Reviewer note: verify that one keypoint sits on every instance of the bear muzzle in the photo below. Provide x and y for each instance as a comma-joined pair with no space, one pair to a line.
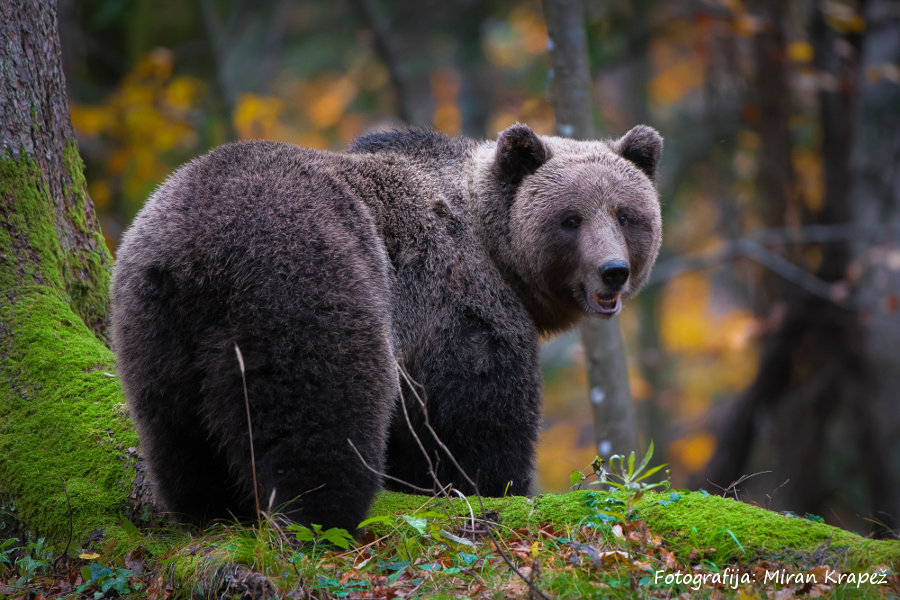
608,301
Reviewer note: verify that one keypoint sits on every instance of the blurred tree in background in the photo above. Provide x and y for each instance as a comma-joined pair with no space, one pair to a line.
768,342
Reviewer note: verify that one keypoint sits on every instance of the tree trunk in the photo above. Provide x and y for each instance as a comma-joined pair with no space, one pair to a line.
63,428
604,349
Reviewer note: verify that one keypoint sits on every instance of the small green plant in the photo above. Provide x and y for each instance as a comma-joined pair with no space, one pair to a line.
102,579
316,535
7,547
35,558
427,528
341,590
627,482
718,551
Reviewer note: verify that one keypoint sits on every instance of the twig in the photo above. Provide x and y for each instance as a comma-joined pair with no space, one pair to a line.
732,487
440,488
437,482
386,476
249,428
431,430
770,497
531,585
69,506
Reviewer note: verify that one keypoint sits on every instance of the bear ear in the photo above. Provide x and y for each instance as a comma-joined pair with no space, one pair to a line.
520,152
643,146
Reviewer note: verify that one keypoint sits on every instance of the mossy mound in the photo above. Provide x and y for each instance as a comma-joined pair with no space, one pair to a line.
687,521
741,531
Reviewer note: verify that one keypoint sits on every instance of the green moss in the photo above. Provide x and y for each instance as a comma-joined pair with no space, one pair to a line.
693,521
514,512
77,186
61,424
29,247
701,521
60,421
30,244
87,269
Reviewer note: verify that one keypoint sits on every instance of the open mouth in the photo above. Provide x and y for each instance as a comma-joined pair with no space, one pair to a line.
604,306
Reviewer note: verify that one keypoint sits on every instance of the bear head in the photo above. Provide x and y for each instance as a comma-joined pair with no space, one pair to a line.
582,220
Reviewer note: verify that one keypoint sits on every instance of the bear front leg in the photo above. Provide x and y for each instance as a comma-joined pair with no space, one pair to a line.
481,386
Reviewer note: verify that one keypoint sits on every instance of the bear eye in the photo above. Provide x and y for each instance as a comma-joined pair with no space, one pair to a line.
571,222
623,219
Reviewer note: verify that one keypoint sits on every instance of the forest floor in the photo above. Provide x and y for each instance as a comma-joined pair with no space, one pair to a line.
590,543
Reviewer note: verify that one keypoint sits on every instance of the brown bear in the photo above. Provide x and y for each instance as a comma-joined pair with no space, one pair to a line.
328,270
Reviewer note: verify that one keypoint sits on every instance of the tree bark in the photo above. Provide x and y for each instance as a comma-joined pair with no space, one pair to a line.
610,393
63,427
35,125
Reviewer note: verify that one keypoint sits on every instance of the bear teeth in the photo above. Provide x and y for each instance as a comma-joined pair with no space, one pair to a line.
608,303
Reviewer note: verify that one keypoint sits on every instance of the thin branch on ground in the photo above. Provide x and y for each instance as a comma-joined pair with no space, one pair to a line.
421,490
532,587
732,487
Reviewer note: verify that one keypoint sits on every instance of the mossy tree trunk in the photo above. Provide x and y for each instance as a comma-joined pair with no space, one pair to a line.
63,428
35,131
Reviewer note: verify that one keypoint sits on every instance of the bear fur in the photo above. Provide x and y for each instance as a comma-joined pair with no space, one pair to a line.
449,257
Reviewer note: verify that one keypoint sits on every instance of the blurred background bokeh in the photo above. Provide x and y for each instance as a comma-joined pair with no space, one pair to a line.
768,341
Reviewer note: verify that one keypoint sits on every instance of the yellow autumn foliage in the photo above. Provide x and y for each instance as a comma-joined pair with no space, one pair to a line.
843,18
330,101
801,52
256,117
91,121
807,165
149,114
514,43
675,80
445,90
182,93
715,352
687,325
692,452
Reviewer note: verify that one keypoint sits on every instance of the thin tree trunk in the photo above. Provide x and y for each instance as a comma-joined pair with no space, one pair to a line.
604,349
62,424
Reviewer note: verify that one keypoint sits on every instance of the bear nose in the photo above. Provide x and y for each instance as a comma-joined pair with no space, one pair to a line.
614,274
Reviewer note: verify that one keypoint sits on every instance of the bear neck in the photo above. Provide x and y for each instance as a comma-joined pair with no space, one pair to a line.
490,202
